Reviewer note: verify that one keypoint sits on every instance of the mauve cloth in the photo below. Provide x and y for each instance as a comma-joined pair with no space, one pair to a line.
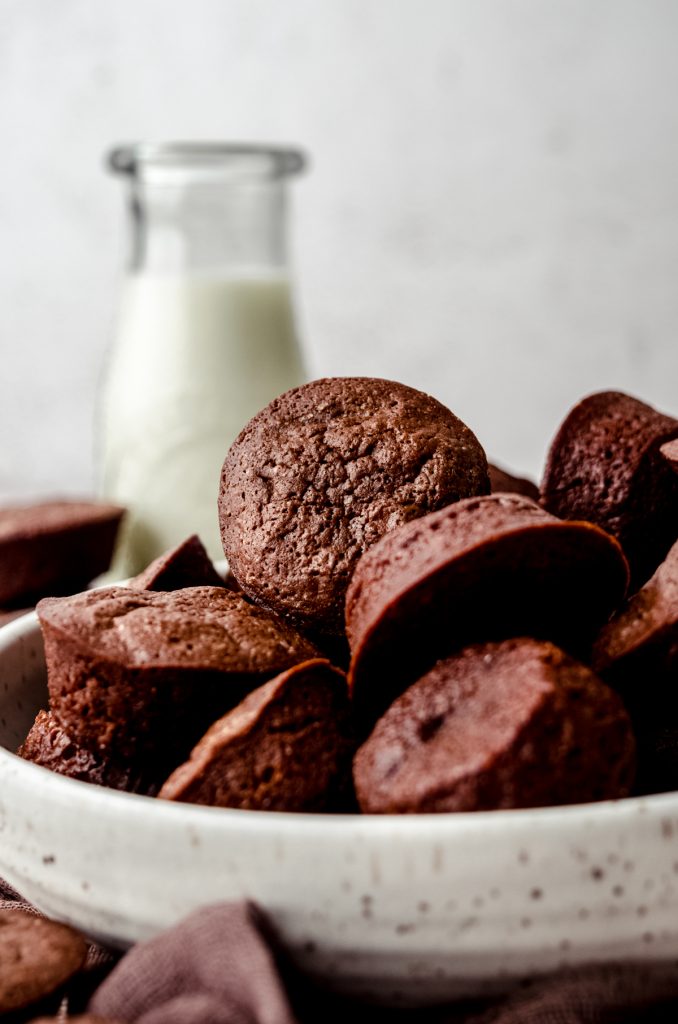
213,968
218,966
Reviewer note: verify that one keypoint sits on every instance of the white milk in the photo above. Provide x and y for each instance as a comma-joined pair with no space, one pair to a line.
195,358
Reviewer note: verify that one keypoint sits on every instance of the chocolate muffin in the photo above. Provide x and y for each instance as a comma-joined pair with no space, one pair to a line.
54,548
503,482
186,565
484,569
37,957
286,747
48,745
139,676
605,466
499,725
322,473
637,654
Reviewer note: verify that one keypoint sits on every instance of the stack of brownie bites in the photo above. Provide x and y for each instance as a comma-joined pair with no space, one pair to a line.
403,629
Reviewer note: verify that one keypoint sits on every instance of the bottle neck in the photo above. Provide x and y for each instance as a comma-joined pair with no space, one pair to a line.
210,227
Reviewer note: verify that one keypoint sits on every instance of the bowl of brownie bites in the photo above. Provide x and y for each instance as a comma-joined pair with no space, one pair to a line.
426,719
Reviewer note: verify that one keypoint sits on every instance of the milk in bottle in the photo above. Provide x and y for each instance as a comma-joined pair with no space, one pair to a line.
205,335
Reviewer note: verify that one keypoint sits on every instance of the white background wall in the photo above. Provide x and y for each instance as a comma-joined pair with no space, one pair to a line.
492,213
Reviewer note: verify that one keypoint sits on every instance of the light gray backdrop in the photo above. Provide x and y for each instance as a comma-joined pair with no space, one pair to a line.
492,213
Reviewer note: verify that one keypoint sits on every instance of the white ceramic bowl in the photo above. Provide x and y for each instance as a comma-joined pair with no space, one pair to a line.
417,909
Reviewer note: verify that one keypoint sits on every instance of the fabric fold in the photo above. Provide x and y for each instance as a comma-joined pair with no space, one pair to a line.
216,963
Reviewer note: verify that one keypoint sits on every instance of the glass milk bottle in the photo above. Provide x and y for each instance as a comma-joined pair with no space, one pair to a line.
205,336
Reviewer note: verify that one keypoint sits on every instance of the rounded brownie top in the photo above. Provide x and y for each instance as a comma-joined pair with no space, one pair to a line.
204,627
36,957
483,569
499,725
322,473
605,465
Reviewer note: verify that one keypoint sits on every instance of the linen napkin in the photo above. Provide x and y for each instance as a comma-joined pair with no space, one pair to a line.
217,967
221,966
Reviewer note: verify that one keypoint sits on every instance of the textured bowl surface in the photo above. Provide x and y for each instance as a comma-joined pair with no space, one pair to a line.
413,909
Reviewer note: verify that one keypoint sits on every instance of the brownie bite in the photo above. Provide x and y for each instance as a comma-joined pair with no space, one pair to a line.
637,653
286,747
322,473
139,676
605,466
484,569
498,725
37,957
503,482
186,565
641,642
55,547
49,746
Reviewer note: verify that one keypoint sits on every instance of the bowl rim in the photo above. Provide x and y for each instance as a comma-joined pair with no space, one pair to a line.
53,787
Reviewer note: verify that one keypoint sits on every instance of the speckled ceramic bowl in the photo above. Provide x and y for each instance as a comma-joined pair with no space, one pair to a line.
417,909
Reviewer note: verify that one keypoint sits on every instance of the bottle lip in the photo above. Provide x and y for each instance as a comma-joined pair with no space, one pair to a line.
171,161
